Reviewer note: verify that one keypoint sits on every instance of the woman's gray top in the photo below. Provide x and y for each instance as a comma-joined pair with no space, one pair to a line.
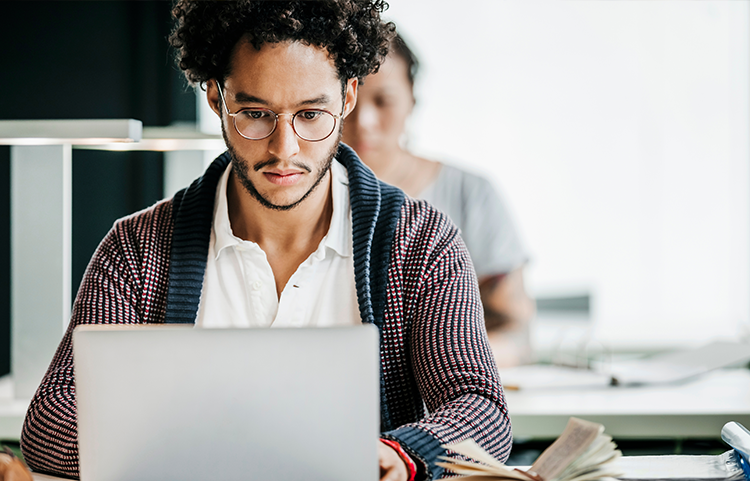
486,226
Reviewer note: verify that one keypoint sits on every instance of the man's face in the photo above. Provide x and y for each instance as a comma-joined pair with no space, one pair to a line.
281,170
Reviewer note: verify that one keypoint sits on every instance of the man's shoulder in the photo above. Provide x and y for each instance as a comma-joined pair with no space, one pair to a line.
161,211
421,220
142,240
150,222
425,240
420,210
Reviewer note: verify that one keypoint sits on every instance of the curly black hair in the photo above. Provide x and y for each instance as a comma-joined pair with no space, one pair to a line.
352,32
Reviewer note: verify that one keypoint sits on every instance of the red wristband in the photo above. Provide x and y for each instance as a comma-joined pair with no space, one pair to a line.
410,465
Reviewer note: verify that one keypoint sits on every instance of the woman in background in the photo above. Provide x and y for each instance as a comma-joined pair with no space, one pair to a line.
375,129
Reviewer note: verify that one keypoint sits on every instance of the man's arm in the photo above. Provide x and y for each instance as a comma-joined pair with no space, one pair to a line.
119,287
451,359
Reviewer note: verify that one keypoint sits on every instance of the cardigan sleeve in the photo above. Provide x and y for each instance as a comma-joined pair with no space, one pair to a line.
123,284
450,357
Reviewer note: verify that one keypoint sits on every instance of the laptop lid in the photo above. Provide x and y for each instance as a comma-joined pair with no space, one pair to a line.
178,403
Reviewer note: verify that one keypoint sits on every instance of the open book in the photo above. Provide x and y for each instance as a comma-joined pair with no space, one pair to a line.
582,453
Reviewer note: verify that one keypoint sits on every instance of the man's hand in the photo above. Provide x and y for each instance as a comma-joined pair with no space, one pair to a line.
12,469
392,467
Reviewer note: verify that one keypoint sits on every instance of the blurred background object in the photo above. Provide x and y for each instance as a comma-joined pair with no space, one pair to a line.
619,133
375,129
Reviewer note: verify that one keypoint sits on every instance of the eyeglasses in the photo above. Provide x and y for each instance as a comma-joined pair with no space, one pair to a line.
312,125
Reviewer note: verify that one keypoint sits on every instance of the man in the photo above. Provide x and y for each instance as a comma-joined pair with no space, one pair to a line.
289,217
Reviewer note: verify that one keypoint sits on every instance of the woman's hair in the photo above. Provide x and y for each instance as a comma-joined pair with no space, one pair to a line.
351,31
400,48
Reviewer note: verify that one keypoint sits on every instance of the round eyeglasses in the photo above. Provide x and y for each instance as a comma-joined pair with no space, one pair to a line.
312,125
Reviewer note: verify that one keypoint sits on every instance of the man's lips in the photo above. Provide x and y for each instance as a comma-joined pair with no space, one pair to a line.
283,177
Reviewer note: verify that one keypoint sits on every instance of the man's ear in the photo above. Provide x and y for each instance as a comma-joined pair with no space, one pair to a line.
212,94
350,100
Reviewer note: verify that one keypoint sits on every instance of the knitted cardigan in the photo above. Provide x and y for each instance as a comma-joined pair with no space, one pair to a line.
414,281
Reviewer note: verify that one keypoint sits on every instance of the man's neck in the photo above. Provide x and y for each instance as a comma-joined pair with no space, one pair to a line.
250,220
287,237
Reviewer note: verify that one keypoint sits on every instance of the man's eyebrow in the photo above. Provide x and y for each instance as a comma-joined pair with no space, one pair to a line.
322,99
243,98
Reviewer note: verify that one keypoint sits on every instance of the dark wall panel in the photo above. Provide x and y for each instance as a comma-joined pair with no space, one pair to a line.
4,260
89,59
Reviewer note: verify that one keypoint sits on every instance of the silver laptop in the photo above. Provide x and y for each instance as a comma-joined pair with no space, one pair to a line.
177,403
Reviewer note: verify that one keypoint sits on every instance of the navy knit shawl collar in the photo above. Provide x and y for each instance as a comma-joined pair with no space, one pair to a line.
376,208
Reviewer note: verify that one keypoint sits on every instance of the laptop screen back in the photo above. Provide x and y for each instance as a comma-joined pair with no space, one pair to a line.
232,404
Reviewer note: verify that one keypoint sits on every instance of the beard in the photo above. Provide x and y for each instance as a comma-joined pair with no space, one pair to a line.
240,168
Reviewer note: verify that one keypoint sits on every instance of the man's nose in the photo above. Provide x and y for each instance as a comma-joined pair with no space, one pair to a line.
284,143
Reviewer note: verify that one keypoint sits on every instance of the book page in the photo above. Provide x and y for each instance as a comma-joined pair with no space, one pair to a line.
581,453
572,443
596,462
489,466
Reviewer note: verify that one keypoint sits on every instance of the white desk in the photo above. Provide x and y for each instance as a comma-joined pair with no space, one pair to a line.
695,409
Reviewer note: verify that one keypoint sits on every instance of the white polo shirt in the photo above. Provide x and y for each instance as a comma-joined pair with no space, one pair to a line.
239,288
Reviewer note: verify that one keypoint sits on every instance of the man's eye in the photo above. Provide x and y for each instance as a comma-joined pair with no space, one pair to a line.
256,114
310,114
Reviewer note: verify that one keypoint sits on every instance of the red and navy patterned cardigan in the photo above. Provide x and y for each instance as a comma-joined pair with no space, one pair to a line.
414,280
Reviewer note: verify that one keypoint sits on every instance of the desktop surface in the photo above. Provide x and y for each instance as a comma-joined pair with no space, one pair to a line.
697,408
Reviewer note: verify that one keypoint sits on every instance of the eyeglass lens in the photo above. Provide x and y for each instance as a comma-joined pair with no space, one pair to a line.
311,125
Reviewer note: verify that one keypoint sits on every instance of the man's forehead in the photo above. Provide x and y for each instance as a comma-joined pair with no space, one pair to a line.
288,72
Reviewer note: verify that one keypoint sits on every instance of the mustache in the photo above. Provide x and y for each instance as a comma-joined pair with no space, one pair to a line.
273,161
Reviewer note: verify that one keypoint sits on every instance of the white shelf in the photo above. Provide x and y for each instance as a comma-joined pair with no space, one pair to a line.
107,134
69,132
164,139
